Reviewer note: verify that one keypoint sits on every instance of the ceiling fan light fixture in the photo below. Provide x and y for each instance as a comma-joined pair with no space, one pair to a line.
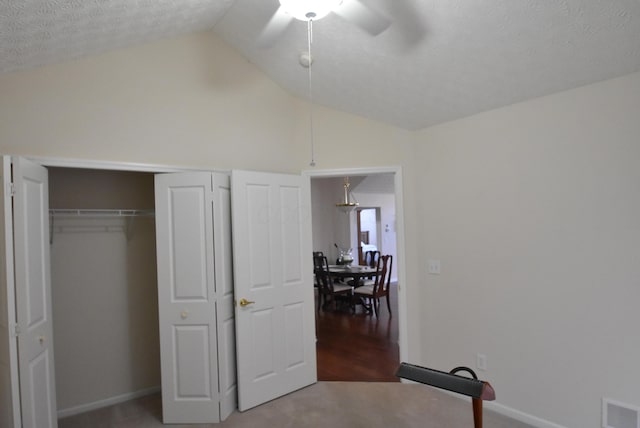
306,10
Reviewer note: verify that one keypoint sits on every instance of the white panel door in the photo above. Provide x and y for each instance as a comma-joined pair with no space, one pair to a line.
275,334
33,294
9,390
224,289
187,298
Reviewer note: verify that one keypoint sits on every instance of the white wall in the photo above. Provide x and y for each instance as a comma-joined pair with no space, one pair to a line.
105,311
534,211
104,288
329,225
186,101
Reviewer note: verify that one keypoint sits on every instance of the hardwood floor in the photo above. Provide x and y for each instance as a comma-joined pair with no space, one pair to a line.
358,347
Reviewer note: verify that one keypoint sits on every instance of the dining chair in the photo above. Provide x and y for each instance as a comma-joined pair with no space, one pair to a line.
380,288
328,291
371,259
316,254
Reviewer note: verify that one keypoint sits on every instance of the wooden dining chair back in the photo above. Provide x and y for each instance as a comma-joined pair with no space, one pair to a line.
371,258
380,288
327,289
317,263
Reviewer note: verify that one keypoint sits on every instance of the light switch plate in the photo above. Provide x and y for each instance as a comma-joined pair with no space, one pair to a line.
434,267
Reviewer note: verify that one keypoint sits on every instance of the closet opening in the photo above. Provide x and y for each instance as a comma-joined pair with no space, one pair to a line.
104,287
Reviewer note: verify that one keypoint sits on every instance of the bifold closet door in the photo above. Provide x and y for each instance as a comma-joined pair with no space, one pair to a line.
227,376
275,337
33,294
187,297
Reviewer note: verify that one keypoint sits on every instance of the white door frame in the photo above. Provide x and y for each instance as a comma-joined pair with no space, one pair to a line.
113,165
403,341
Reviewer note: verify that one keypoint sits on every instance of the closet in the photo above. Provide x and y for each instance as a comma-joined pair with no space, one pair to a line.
104,286
105,291
139,301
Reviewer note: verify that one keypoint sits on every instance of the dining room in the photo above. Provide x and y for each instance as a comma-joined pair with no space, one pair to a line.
354,341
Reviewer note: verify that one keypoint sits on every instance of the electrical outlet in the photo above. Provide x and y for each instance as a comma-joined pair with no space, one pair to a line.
434,267
481,361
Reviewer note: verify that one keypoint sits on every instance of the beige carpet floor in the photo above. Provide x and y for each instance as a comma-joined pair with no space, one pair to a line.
325,404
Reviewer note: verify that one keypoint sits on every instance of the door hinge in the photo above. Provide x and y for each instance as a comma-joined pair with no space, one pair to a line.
16,330
12,189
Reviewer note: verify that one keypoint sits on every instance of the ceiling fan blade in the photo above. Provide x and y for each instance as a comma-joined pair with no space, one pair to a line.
363,16
410,25
276,26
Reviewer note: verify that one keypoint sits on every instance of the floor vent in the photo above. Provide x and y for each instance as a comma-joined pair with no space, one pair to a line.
619,415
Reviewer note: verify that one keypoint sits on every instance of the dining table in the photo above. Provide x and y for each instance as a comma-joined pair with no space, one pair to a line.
355,272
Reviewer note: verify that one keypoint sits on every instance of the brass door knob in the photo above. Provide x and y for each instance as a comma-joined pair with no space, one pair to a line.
244,302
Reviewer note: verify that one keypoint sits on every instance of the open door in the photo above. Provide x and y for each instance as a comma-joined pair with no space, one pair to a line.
33,294
9,390
275,319
195,297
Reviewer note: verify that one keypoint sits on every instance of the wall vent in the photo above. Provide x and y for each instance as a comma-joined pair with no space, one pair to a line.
619,415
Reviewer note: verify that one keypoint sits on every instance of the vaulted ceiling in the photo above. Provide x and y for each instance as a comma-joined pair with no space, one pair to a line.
439,60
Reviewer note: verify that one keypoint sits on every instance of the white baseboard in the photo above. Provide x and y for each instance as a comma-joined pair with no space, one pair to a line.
520,416
503,410
63,413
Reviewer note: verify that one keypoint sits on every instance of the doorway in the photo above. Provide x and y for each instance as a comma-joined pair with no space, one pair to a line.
367,185
368,230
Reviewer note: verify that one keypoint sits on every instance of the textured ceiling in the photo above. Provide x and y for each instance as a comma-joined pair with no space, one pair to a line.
38,32
440,59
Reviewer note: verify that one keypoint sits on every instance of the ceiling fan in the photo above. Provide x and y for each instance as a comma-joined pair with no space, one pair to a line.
370,20
365,17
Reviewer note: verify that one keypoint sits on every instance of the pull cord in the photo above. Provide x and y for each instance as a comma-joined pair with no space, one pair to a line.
310,88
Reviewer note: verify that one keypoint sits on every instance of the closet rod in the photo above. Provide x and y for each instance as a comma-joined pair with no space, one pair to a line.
99,213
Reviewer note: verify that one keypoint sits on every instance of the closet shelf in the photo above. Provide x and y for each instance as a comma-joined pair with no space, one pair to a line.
100,213
129,215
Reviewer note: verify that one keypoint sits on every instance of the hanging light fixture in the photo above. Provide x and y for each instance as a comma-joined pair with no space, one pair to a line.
349,203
